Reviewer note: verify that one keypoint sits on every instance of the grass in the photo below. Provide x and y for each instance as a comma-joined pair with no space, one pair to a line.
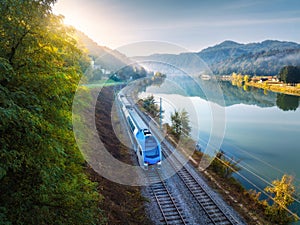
102,83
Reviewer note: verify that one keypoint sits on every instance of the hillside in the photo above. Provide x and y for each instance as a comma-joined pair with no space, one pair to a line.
115,64
265,58
103,56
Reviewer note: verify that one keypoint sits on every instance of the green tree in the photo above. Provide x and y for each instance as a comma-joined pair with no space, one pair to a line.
185,121
151,107
97,75
131,73
290,74
282,192
180,123
158,78
42,180
159,75
176,124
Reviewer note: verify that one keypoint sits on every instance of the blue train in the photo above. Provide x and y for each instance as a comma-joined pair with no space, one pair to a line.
146,146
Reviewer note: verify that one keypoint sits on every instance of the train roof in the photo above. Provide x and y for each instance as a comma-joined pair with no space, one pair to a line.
138,121
125,101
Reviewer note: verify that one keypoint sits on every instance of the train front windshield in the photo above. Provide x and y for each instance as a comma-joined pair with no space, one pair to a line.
152,148
154,153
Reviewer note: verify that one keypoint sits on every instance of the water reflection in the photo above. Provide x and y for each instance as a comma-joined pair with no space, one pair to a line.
262,128
236,95
287,102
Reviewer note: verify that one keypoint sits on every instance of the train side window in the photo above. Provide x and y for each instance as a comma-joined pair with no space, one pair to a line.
130,123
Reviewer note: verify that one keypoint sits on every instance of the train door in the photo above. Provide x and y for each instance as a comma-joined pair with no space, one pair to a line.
140,157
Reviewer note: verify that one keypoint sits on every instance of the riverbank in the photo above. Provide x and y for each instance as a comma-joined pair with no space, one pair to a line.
278,87
266,83
232,192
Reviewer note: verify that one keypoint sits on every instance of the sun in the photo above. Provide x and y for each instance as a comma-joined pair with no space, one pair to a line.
69,12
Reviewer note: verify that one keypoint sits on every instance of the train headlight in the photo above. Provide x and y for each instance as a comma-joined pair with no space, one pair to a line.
145,165
159,164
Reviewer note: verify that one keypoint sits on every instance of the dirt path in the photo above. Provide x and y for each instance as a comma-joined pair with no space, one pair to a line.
121,204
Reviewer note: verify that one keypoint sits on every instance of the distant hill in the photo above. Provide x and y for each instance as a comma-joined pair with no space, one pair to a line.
265,58
108,63
190,63
103,56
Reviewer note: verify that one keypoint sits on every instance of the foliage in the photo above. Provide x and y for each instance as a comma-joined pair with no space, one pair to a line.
159,75
282,192
176,124
180,123
151,107
290,74
131,73
41,169
158,78
237,79
223,166
97,74
272,89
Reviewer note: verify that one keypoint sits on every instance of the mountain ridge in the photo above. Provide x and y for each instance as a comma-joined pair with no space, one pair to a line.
257,58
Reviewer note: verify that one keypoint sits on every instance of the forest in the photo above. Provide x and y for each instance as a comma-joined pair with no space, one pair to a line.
42,172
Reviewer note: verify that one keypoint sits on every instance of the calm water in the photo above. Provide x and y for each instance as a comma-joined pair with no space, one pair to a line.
262,129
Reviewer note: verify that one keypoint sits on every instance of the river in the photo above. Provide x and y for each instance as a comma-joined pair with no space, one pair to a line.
262,129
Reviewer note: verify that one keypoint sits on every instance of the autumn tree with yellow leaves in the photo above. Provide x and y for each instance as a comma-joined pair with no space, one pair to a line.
282,195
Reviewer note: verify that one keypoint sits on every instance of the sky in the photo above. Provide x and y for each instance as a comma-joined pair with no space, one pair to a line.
190,24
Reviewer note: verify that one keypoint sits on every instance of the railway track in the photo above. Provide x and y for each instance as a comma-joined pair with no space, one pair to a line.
215,213
170,209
